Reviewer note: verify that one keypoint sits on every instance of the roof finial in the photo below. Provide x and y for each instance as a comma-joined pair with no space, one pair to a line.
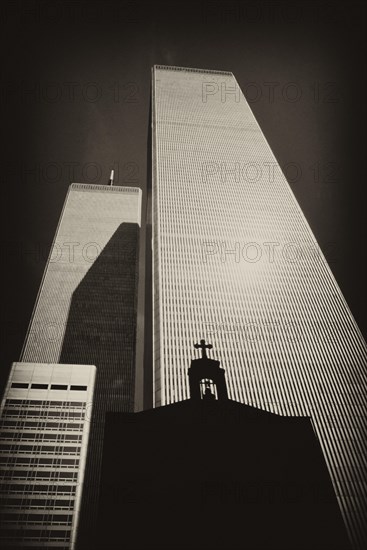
203,346
112,175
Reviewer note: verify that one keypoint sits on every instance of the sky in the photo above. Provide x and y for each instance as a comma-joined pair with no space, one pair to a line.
75,92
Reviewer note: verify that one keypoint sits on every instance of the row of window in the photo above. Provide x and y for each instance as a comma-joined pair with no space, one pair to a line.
43,403
36,474
40,449
36,488
42,425
41,503
37,518
37,436
38,534
25,386
25,413
36,461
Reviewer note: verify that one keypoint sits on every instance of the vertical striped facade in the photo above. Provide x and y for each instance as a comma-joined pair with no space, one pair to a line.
45,419
86,310
235,262
91,216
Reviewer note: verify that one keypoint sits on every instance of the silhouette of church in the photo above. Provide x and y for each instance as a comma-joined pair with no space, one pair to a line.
212,473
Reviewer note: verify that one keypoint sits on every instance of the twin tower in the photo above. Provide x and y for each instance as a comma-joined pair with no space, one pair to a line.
224,253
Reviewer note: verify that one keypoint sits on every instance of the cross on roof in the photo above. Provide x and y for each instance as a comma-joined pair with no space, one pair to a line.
203,346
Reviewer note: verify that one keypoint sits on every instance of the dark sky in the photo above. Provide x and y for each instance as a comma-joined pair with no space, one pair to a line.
75,102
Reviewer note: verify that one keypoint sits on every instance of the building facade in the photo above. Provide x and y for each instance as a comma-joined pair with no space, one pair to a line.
97,233
86,310
235,262
45,420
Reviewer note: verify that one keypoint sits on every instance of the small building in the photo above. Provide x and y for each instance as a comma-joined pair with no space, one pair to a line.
45,420
212,473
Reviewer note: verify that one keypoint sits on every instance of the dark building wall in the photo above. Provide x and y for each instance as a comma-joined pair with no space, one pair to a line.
214,475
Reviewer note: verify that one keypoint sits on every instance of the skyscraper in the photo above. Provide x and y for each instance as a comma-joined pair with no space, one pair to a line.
95,248
86,310
45,423
235,261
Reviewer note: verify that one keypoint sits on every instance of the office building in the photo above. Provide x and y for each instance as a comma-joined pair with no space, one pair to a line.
45,422
86,310
235,262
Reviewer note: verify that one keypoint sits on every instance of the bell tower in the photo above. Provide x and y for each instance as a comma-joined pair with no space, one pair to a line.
206,377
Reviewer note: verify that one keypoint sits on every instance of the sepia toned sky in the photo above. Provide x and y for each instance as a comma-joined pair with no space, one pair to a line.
75,92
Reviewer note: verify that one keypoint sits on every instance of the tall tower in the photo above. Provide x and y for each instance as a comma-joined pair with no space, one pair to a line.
235,261
86,311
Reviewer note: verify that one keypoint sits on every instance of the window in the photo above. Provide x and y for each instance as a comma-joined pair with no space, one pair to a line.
39,386
78,388
19,385
59,387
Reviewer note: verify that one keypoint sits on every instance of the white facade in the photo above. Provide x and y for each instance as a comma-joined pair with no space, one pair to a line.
90,217
235,262
86,310
45,419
